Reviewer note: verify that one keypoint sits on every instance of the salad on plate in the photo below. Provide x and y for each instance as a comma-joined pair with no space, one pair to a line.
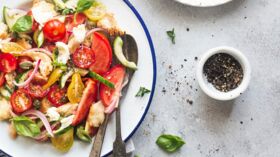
57,80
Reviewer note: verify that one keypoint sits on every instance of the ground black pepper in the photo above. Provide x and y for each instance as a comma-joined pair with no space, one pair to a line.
223,71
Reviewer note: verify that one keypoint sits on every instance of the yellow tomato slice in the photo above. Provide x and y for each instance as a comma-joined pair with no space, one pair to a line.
64,142
10,47
75,89
55,75
96,11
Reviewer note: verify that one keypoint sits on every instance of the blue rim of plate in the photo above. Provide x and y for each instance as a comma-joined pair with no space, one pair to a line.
136,13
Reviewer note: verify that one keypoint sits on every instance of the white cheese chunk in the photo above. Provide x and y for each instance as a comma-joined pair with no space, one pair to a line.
63,52
65,122
71,4
53,114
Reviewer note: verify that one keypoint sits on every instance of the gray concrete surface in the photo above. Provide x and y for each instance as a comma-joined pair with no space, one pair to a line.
246,127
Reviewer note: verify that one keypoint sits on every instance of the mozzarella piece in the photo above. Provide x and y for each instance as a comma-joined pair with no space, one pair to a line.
65,122
5,109
63,52
78,36
71,4
53,114
79,32
96,115
43,12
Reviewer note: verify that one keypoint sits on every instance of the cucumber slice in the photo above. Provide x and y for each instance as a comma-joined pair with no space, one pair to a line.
38,38
101,79
5,93
65,77
82,72
12,15
118,44
22,77
26,65
60,4
11,90
61,131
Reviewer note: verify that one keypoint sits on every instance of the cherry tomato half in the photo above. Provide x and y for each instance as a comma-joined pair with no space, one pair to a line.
21,101
54,30
83,57
103,53
57,96
115,75
8,62
2,78
36,90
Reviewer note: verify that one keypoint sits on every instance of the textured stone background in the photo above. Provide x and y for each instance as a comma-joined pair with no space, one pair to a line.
247,126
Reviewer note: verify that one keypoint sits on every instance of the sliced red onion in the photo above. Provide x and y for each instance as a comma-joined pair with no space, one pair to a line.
94,30
44,136
43,119
31,76
39,50
115,101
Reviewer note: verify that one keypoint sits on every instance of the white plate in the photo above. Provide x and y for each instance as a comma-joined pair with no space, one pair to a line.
133,109
204,3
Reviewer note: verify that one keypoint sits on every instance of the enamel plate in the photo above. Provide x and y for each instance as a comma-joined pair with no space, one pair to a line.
204,3
133,109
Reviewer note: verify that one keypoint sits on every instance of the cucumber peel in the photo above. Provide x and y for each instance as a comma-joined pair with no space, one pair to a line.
118,50
65,77
101,79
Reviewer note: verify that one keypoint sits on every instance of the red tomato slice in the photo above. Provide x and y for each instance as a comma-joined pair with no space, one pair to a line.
35,24
36,90
54,30
21,101
115,75
8,62
57,96
70,22
2,78
89,96
103,53
83,57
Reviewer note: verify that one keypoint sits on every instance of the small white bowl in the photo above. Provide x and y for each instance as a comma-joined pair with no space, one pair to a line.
209,89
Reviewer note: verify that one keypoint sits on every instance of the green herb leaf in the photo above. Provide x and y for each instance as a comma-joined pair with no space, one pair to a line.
84,5
170,143
142,91
23,24
171,35
82,134
25,126
101,79
67,11
136,155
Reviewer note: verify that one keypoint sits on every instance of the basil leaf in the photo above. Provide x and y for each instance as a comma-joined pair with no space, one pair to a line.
169,143
82,134
23,24
142,91
171,35
84,5
25,126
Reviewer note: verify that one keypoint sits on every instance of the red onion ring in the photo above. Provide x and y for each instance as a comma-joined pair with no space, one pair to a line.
94,30
39,50
43,119
31,76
